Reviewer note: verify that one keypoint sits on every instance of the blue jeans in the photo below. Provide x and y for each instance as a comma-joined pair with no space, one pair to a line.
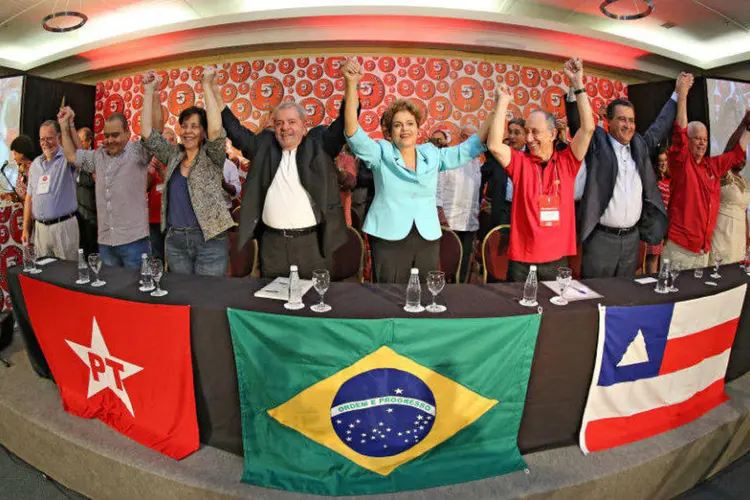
127,255
187,253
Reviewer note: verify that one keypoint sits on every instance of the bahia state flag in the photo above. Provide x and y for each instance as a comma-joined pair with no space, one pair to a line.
126,363
658,367
346,406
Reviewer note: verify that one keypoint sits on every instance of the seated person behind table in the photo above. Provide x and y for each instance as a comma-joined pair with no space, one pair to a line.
121,167
696,189
51,199
402,221
542,218
193,207
290,199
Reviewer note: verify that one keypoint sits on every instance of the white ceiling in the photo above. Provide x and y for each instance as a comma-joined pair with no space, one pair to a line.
708,33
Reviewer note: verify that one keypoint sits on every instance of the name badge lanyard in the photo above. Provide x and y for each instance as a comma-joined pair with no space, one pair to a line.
549,205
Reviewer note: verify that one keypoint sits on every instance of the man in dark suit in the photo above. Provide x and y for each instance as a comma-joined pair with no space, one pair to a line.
621,203
290,199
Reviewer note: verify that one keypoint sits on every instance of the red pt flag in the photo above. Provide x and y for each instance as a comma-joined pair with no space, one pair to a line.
126,363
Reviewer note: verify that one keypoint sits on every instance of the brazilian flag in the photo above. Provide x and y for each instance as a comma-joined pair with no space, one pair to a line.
348,406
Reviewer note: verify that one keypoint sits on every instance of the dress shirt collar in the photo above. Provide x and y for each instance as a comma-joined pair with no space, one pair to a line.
622,151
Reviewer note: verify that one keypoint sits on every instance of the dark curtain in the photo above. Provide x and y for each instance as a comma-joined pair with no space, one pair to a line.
41,102
649,98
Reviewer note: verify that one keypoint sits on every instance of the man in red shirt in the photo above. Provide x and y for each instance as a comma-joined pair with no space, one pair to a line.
542,227
696,189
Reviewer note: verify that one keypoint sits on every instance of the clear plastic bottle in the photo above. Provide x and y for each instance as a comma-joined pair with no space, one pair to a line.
414,292
295,290
147,280
662,281
83,269
530,288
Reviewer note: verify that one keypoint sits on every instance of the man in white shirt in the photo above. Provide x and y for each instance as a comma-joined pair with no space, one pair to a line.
290,199
620,201
231,183
458,197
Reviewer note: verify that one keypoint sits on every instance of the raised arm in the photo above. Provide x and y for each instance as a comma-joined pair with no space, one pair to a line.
353,73
739,133
500,151
213,111
64,117
658,132
157,114
150,83
484,130
573,69
362,146
682,116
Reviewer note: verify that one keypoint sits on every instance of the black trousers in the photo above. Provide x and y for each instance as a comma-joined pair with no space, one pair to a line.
467,244
608,255
545,271
392,260
278,252
88,235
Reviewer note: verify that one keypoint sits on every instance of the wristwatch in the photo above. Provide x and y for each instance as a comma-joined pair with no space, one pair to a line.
579,91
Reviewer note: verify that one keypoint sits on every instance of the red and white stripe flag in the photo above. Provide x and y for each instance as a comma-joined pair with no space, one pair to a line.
658,367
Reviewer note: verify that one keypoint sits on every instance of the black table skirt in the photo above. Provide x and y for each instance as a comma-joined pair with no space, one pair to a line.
560,374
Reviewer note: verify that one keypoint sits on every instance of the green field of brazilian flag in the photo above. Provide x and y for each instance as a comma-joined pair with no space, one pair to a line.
344,407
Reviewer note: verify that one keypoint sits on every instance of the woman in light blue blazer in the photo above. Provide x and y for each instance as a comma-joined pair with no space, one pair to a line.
402,221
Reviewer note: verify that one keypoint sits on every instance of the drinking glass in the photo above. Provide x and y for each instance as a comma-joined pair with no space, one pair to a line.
31,253
435,283
321,281
717,263
698,273
564,278
95,263
26,260
157,271
674,273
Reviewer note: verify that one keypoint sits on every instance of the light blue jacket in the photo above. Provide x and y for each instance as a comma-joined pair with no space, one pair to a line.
402,197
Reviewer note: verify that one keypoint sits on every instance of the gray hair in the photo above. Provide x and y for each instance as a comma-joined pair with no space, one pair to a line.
51,123
290,105
694,127
549,118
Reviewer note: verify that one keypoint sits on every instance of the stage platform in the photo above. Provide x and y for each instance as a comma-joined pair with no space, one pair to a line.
94,460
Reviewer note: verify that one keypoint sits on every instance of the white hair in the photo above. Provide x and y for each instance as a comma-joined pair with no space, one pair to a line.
290,105
694,127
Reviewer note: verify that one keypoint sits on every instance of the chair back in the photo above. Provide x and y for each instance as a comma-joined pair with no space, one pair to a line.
574,262
641,259
495,253
242,261
348,259
451,253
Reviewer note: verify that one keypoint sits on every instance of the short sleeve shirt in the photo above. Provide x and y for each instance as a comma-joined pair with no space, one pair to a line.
531,242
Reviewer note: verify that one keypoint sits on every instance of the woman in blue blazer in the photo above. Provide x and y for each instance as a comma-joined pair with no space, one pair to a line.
402,221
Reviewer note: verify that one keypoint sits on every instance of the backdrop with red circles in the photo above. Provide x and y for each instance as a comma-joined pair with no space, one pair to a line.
11,250
452,93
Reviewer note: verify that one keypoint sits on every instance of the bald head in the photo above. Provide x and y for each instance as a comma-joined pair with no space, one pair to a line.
697,140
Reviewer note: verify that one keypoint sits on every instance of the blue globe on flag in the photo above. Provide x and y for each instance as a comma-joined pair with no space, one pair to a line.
383,412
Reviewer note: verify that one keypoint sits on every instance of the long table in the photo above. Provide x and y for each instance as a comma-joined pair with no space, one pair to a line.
560,374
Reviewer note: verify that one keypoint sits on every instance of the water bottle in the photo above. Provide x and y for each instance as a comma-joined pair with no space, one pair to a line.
147,280
530,288
83,269
414,292
295,290
663,279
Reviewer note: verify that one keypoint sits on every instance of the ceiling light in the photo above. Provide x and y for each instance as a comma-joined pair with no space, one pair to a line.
649,8
64,21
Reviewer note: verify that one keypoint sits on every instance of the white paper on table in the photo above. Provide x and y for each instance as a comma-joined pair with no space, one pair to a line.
278,289
45,261
576,291
646,281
